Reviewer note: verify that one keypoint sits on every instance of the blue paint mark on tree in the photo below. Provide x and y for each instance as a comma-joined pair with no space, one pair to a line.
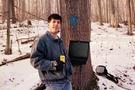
73,20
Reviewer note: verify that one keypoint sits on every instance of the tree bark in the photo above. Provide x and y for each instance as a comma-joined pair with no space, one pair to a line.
79,30
129,17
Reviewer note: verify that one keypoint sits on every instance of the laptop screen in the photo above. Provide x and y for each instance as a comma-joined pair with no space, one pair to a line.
78,49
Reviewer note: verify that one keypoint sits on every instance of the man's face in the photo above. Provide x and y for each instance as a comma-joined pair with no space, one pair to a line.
54,26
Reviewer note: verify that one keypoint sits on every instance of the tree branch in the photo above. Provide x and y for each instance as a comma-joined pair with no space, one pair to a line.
27,55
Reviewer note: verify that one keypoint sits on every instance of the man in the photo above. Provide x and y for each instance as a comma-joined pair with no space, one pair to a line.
49,56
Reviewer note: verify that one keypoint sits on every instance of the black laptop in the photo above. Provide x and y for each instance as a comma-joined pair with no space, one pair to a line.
78,52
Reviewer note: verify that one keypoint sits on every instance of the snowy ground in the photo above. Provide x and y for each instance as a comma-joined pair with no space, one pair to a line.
114,49
110,47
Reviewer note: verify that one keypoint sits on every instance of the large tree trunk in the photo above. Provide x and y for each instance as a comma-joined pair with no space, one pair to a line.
129,17
83,78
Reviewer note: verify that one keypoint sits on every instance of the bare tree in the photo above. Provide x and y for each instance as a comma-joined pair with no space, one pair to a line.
4,10
132,11
107,9
99,12
58,6
129,17
13,12
112,12
8,43
23,9
29,8
47,8
78,30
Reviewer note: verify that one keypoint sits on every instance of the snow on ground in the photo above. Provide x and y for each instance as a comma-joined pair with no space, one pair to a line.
110,47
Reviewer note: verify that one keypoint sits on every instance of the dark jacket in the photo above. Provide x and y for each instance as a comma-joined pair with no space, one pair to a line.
45,50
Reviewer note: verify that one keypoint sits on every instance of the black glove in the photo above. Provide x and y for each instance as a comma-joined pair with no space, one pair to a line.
60,65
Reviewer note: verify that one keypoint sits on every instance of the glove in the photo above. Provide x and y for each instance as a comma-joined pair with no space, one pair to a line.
60,66
60,63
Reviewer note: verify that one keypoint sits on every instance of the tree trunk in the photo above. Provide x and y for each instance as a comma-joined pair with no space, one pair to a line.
117,14
23,10
112,14
99,12
29,9
20,14
129,17
58,6
133,11
36,9
107,15
8,43
47,8
78,30
13,12
4,10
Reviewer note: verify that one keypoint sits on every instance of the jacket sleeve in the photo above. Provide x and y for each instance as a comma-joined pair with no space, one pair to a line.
38,54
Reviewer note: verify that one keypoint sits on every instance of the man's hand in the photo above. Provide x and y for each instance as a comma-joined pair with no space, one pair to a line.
59,63
54,64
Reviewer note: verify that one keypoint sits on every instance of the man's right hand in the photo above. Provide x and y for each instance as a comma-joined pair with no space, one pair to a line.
59,63
54,63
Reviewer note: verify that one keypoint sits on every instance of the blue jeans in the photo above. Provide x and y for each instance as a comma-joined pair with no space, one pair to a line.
59,86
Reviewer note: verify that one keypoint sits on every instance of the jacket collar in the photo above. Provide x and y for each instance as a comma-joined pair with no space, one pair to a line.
52,37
